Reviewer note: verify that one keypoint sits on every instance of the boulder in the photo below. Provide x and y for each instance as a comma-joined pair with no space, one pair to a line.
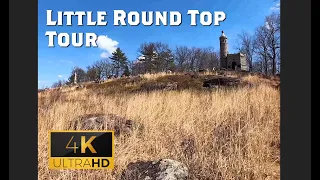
171,86
165,86
113,122
220,81
163,169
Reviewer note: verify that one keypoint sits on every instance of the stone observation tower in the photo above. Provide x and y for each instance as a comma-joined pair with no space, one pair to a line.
223,50
235,62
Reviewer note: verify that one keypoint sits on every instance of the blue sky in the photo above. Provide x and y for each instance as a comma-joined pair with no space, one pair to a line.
56,63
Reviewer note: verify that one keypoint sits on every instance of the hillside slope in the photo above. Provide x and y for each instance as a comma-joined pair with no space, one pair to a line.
232,133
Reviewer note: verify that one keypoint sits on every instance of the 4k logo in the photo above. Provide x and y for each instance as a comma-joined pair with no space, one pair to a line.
84,144
81,150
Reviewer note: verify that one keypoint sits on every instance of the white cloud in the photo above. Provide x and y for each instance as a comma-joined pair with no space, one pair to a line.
60,76
107,44
104,55
276,7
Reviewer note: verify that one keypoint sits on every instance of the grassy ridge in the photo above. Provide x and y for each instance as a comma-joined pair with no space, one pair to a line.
234,133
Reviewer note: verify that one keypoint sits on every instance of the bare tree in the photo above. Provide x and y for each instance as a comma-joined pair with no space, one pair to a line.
278,62
182,54
261,47
138,67
60,83
91,74
195,54
212,58
192,59
246,46
257,66
201,58
100,68
208,58
273,39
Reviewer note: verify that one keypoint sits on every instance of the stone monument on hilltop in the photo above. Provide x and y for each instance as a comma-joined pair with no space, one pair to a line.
75,78
236,61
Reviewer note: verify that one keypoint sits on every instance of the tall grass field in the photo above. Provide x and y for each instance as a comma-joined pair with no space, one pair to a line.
235,130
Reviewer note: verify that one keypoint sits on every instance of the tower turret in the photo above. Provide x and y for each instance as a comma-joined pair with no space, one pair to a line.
223,50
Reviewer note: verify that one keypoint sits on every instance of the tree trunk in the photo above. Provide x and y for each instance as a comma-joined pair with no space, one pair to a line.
274,65
265,65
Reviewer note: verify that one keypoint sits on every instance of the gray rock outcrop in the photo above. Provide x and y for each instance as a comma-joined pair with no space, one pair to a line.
163,169
113,122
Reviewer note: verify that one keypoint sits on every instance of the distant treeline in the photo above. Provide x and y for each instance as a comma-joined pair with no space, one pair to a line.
262,49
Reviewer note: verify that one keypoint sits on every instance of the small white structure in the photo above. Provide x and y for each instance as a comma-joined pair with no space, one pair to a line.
75,78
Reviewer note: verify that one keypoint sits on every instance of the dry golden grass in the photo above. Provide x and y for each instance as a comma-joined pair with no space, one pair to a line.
151,76
235,132
255,80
